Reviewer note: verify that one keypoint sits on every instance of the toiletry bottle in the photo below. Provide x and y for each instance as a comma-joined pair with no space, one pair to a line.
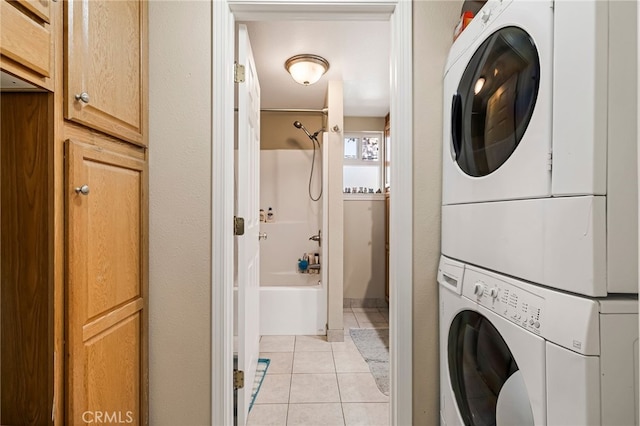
270,215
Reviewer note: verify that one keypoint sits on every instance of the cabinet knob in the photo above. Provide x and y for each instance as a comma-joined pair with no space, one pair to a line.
262,236
83,190
83,97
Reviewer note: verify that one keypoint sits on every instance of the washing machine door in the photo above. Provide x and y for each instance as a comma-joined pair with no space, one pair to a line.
488,385
497,103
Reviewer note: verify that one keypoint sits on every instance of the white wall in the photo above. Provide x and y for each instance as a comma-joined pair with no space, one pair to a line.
334,211
179,212
284,182
433,23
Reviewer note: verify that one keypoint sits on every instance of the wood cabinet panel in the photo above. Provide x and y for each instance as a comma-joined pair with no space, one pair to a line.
112,365
40,8
25,40
105,45
26,308
105,294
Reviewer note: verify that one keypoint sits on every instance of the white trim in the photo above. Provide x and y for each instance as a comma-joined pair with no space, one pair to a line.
222,199
401,217
309,10
362,197
401,220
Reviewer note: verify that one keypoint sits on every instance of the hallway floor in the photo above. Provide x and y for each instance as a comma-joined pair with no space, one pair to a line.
312,382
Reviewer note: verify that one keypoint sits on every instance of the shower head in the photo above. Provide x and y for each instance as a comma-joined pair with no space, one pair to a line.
299,125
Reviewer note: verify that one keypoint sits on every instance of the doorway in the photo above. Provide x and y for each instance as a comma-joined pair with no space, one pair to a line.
225,13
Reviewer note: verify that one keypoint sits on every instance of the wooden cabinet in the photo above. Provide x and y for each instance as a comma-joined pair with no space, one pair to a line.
105,72
106,295
26,311
73,303
26,40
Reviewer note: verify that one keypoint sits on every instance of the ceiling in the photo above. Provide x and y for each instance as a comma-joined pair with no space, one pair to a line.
357,51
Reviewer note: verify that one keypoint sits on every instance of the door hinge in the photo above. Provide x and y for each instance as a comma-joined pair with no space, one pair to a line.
549,160
238,225
238,73
238,379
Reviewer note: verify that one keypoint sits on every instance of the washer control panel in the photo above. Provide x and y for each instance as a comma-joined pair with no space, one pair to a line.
506,299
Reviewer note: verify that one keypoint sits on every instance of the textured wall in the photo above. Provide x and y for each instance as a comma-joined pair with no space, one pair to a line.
433,23
363,124
364,252
180,212
277,131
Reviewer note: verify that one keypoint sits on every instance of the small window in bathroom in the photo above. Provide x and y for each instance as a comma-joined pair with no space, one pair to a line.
363,171
370,148
350,148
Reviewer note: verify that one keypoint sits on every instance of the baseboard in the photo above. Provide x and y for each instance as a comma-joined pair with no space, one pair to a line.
364,303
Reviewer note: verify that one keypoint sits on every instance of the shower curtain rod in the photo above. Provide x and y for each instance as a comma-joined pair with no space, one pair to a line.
324,111
319,111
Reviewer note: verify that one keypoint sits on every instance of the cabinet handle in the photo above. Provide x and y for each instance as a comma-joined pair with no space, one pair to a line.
83,190
84,97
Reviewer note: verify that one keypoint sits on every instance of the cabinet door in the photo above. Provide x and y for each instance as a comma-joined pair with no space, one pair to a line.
105,73
26,41
106,295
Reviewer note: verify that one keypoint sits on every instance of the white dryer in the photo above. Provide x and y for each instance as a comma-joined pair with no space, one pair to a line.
539,101
512,353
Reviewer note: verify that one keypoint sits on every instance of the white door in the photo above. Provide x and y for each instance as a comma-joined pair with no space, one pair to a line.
247,196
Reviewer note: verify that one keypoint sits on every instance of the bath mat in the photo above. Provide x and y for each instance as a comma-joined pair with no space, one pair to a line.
261,371
373,344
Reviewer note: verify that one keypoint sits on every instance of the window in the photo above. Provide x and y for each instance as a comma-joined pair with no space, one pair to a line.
363,165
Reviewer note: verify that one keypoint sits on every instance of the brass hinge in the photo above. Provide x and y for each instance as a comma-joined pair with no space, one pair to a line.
238,73
238,379
238,225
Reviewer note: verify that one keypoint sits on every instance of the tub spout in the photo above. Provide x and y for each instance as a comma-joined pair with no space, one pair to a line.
317,237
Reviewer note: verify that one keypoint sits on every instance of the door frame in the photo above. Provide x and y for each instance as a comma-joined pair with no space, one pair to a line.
399,13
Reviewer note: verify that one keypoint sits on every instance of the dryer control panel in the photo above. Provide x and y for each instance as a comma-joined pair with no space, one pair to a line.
506,299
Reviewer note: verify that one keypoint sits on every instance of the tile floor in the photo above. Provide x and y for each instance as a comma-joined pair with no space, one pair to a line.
312,382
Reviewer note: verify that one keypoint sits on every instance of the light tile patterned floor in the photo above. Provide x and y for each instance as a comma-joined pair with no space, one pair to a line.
312,382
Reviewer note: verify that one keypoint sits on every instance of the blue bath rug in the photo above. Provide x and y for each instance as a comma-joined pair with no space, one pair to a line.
261,371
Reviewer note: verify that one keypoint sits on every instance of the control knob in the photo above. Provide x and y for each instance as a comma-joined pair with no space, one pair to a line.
478,289
493,292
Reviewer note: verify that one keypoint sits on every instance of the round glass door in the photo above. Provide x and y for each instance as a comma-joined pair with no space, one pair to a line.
494,102
480,366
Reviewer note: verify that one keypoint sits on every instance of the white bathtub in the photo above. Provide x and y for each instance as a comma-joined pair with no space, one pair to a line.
293,310
297,306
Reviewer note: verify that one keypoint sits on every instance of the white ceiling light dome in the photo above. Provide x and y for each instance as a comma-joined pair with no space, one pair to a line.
306,69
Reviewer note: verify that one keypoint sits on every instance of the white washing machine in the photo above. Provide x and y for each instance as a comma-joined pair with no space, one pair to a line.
512,353
539,101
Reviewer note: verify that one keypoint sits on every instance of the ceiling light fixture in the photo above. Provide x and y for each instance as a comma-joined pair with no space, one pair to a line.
306,69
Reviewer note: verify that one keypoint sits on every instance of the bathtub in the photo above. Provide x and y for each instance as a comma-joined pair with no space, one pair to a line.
297,305
292,303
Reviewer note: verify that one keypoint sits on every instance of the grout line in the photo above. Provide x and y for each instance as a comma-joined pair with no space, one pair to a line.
335,370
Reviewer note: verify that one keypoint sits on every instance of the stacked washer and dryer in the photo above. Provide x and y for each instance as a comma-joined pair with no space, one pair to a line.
539,273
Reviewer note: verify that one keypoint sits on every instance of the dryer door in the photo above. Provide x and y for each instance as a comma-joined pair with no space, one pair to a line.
486,380
497,130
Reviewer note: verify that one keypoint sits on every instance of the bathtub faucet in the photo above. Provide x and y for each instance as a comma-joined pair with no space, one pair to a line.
317,237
